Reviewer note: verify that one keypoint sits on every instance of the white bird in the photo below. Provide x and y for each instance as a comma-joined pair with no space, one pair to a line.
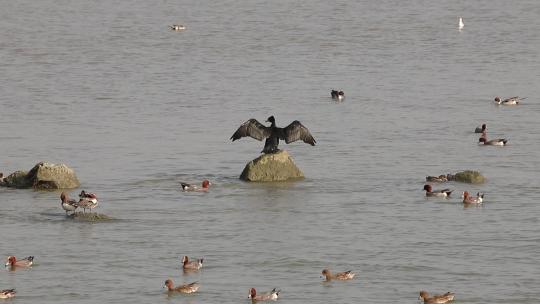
461,24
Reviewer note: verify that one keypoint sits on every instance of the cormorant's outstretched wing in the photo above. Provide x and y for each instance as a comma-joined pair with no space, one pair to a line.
252,128
296,131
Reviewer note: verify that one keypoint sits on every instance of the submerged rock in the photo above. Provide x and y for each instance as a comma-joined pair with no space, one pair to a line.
43,176
469,176
90,216
271,168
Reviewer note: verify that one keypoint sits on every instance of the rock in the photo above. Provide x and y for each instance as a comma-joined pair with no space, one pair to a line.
90,217
271,168
43,176
17,179
468,176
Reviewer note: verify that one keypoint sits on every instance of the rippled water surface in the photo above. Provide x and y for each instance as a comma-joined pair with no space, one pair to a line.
134,108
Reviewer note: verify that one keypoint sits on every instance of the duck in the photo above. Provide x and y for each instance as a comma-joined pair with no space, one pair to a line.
460,23
88,195
480,129
340,276
7,293
204,186
437,179
510,101
273,134
467,199
436,299
13,262
191,265
186,288
67,203
267,296
177,27
339,95
437,193
493,142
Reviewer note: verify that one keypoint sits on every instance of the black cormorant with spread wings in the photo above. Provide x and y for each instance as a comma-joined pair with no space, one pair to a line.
273,134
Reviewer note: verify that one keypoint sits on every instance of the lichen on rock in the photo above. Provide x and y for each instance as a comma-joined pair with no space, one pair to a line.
272,167
43,176
469,176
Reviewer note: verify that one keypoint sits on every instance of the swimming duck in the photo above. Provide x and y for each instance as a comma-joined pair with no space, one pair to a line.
511,101
341,276
273,134
437,193
481,129
493,142
67,203
436,299
204,187
339,95
177,27
186,288
437,179
13,262
268,296
7,293
460,23
479,199
191,265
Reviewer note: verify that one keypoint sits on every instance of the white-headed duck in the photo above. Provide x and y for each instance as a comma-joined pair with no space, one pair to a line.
204,187
437,193
511,101
267,296
341,276
494,142
436,299
67,203
191,265
186,288
13,262
7,293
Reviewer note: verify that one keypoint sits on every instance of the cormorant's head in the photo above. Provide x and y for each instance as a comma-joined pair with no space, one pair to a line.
271,119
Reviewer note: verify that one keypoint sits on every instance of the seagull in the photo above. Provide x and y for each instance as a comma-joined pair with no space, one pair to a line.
461,24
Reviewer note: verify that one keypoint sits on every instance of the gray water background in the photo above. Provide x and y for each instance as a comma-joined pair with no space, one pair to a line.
135,108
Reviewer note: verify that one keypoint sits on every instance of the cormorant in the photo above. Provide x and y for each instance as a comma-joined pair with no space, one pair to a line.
273,134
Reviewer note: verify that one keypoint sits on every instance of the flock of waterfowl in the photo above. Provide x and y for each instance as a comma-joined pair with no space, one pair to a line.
293,132
468,199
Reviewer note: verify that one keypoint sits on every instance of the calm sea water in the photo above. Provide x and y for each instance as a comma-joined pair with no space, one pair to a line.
134,108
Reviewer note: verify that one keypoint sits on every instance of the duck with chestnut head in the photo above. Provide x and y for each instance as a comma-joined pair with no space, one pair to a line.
436,193
267,296
203,188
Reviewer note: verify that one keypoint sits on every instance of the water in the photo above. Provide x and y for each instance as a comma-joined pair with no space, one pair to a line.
134,108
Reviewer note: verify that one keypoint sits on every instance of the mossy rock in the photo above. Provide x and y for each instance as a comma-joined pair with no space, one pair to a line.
469,176
90,217
43,176
275,167
17,179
